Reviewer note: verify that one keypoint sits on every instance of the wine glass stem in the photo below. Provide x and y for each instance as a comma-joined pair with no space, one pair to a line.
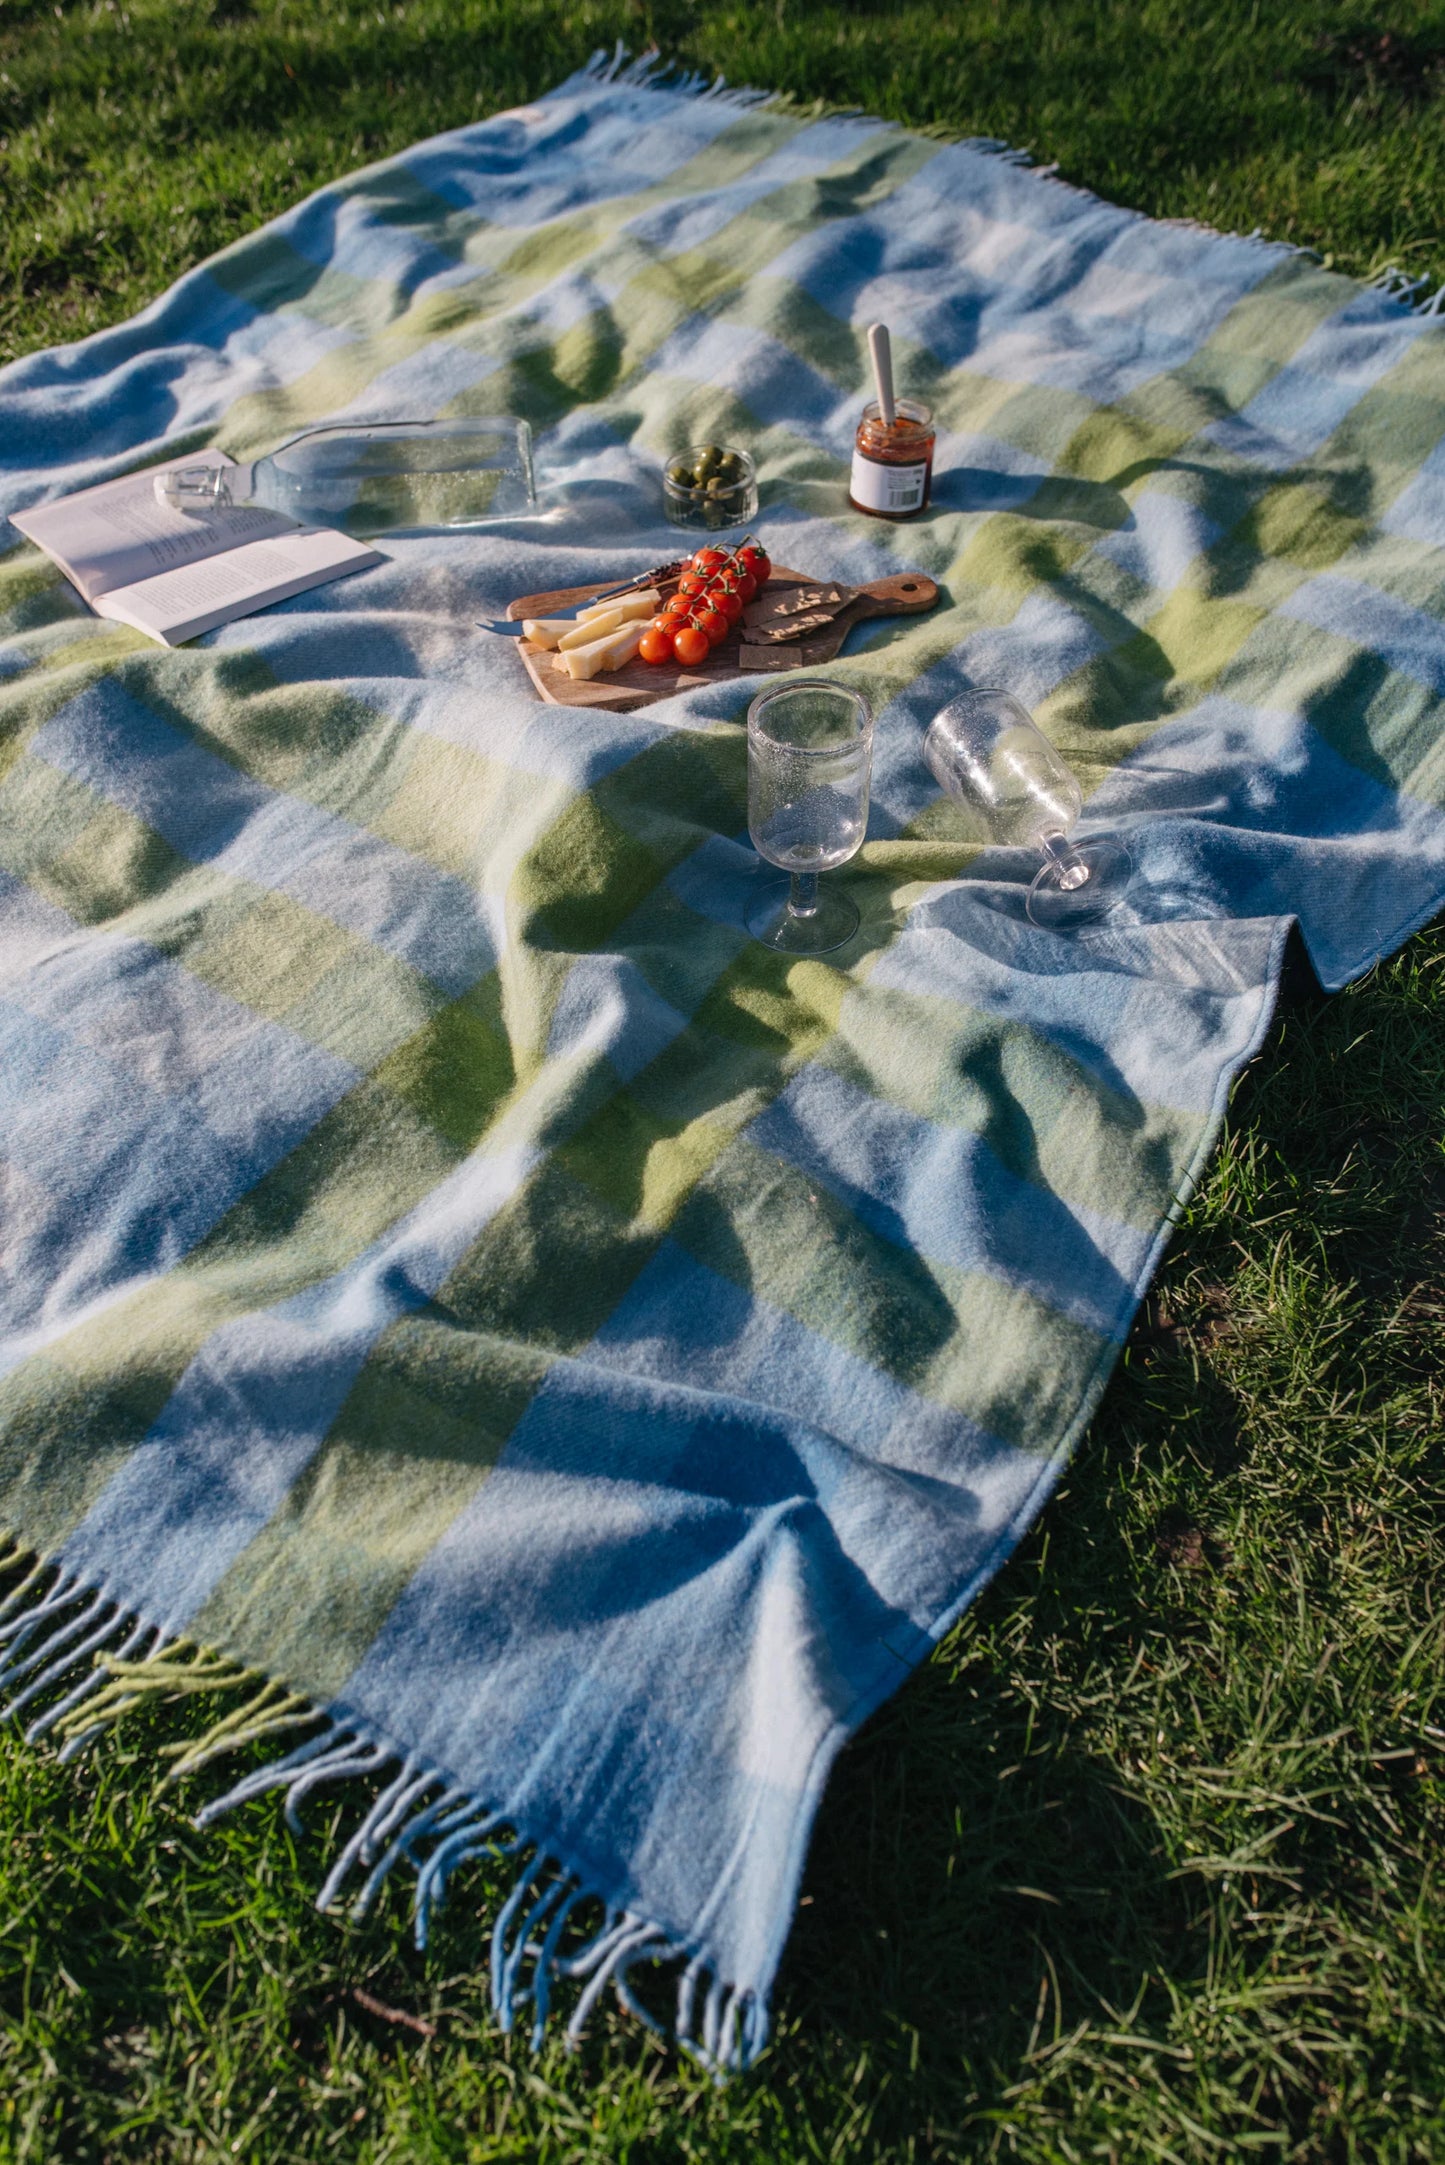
1066,861
803,894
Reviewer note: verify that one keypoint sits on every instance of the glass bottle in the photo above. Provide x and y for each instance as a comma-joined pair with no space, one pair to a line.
893,461
374,477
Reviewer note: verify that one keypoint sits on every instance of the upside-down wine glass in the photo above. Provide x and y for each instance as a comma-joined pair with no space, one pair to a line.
810,753
987,752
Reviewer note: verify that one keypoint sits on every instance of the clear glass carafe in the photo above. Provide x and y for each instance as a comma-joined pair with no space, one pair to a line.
376,477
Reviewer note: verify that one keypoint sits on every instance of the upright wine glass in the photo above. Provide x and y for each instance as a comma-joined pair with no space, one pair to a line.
987,752
810,754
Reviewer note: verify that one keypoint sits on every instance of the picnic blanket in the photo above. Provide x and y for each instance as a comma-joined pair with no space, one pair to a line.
461,1296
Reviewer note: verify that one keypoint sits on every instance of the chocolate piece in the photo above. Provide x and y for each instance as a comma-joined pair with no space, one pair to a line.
769,657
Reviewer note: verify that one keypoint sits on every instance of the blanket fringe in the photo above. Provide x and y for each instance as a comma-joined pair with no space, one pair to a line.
1412,293
649,71
61,1636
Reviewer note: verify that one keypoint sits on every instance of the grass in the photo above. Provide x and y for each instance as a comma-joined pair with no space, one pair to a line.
1145,1864
139,135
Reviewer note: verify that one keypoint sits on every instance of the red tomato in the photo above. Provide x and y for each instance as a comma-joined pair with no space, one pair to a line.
690,645
680,605
713,624
746,584
708,561
691,582
750,558
722,594
656,645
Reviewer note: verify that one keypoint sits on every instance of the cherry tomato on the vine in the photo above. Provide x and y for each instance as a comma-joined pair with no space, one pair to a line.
690,645
752,558
725,596
709,560
746,584
680,605
691,582
712,624
657,644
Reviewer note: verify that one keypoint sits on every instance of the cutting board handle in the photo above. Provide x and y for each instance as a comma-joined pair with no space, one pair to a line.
908,593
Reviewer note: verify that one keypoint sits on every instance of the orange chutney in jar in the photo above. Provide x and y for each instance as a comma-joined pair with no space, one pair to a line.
893,462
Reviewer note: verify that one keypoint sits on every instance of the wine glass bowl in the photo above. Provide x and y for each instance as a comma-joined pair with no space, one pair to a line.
987,752
810,755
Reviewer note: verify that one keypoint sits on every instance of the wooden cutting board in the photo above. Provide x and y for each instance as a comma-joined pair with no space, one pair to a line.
784,628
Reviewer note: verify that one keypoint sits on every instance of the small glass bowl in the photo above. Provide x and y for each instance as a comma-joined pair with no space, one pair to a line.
717,500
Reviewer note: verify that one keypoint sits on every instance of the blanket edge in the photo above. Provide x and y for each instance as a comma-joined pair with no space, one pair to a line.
62,1634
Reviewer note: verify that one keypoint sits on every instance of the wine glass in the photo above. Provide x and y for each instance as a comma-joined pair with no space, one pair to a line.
986,751
810,752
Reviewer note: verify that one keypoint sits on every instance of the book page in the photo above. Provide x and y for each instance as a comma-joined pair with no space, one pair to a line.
181,604
121,532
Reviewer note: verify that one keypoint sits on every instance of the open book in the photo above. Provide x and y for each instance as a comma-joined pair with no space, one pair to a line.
174,574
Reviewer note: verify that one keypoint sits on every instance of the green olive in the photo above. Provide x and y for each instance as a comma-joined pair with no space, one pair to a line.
680,474
731,468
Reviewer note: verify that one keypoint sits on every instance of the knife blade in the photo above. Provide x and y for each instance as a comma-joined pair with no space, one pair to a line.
507,627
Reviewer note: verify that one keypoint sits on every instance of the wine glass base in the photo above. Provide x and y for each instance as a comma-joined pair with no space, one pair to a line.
831,923
1058,908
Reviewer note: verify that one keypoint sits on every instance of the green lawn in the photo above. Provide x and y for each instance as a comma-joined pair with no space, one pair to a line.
1146,1864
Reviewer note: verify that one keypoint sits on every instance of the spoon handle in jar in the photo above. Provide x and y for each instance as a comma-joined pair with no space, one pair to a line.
880,347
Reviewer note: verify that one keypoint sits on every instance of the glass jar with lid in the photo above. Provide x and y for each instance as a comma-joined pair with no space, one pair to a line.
892,475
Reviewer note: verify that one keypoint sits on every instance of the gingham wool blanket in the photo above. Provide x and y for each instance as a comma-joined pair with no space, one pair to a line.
581,1360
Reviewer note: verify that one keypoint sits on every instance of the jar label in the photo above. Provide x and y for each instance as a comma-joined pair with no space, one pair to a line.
887,488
